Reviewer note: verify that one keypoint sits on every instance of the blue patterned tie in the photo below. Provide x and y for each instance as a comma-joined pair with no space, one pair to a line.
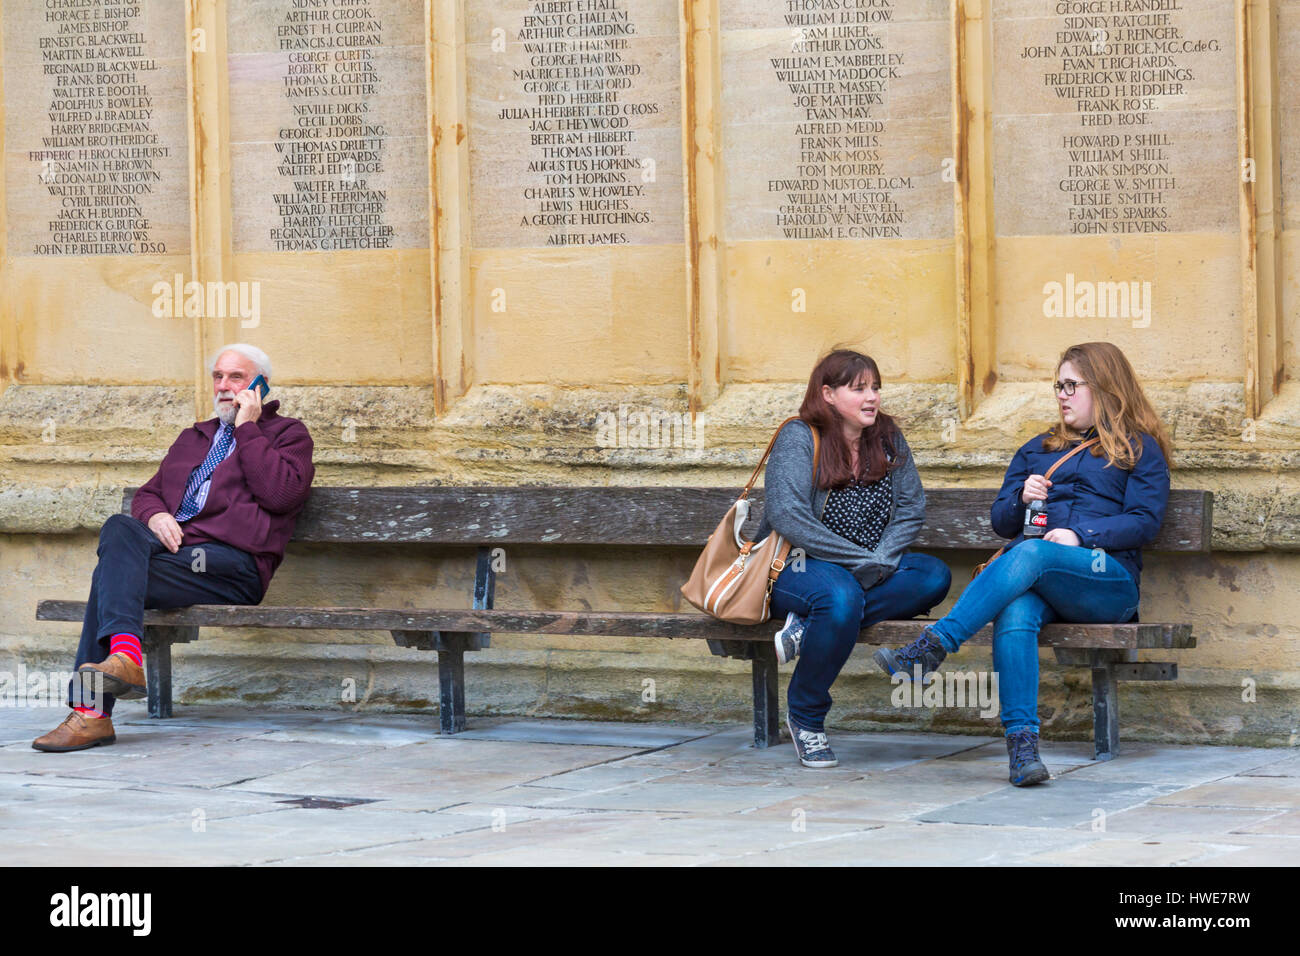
216,454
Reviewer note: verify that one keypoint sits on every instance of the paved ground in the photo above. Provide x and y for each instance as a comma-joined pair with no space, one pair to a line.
239,786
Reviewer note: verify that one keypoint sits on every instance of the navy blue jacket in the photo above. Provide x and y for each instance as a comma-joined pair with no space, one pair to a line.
1108,507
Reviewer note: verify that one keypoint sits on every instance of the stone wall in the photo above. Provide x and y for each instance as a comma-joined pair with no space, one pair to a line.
466,231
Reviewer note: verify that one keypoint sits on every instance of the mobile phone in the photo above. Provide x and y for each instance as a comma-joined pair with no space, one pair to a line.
259,385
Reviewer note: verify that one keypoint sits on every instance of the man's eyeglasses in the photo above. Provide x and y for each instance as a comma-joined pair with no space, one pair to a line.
1068,387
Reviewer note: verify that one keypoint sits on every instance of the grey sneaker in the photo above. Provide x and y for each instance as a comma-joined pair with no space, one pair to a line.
811,747
789,640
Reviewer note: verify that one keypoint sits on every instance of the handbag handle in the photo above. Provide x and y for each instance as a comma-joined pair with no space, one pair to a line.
749,485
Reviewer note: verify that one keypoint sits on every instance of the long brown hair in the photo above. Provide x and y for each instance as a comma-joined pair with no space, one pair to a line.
1120,407
834,467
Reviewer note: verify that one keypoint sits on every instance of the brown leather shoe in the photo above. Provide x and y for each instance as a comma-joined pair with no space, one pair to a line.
123,677
77,733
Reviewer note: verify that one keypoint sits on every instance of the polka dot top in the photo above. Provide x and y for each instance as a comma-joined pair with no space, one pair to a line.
860,511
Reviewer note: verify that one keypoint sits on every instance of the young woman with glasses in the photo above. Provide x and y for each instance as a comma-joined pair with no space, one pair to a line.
1102,506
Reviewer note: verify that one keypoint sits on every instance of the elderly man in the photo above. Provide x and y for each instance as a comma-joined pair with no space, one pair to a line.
209,528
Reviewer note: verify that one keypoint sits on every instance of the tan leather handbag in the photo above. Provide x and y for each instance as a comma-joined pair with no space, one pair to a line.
733,578
1055,465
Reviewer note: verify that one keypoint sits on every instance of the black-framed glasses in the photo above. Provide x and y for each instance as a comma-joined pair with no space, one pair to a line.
1068,387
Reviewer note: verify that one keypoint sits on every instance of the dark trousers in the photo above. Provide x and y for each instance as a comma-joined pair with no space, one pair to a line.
136,571
836,607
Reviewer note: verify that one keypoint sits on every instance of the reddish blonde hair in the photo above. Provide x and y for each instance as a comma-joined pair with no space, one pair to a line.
1120,406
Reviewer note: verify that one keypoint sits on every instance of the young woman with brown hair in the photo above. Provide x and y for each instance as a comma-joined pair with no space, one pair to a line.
853,527
1103,505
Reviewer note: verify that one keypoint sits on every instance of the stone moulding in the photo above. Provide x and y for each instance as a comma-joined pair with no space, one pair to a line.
66,451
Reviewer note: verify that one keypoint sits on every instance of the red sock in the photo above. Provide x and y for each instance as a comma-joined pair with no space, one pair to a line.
89,712
129,645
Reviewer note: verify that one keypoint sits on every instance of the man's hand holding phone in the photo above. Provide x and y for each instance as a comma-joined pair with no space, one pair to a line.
250,401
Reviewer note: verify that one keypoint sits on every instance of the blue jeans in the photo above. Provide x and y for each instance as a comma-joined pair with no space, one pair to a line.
136,571
836,608
1033,584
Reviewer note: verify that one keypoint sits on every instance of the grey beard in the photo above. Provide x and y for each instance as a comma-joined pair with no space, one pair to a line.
227,417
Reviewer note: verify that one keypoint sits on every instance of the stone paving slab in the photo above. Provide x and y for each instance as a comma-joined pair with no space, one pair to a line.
890,797
657,796
432,775
1282,793
700,752
1278,768
1257,851
227,763
596,733
914,844
719,836
860,753
349,732
1059,756
607,776
1166,765
260,839
1059,803
525,833
18,788
21,758
1153,853
1152,822
47,814
1287,824
565,856
231,785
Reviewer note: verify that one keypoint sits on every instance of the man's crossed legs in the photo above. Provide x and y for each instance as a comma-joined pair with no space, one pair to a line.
136,571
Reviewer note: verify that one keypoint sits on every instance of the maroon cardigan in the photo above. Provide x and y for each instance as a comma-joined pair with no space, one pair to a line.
255,495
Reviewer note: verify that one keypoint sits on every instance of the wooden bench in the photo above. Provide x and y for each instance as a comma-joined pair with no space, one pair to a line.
678,517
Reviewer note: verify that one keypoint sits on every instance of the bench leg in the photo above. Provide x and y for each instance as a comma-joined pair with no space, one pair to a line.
485,589
157,646
451,648
451,690
767,703
1105,712
157,673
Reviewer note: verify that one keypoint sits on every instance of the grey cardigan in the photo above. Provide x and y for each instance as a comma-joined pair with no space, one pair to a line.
792,506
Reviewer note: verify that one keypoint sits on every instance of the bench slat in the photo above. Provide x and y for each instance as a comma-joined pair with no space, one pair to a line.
959,518
583,623
636,516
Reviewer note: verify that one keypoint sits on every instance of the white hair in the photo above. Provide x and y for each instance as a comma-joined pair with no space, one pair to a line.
255,355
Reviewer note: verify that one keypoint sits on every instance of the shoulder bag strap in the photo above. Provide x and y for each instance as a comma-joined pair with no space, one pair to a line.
1073,451
1055,465
749,485
778,563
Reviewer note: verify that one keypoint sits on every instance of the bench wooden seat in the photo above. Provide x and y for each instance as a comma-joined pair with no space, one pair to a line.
491,517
